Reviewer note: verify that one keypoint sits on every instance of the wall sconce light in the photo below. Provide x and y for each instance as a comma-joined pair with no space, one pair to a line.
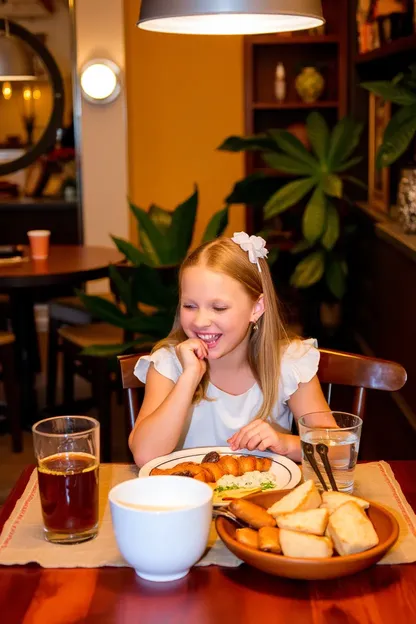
7,90
100,81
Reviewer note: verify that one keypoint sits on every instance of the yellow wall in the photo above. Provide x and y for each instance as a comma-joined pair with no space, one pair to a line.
184,96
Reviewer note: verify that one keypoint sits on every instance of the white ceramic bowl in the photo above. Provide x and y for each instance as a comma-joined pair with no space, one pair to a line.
161,544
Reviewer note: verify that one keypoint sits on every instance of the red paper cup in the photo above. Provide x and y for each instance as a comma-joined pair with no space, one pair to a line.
39,244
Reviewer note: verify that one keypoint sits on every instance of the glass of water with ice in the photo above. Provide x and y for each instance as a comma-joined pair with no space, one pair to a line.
341,433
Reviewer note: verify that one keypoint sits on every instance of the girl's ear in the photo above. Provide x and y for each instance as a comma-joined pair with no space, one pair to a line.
258,309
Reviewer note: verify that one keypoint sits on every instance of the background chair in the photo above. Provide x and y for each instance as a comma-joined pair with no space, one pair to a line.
11,388
335,367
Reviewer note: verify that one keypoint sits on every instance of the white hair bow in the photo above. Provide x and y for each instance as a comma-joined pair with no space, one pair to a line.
254,245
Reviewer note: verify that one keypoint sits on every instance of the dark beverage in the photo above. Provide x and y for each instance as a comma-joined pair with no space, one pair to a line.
68,488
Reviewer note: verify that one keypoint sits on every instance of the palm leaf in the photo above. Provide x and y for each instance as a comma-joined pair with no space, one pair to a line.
314,216
287,196
318,134
247,144
332,185
397,144
161,218
152,240
349,163
344,139
291,145
103,309
100,350
134,255
309,270
288,164
391,92
335,278
216,225
356,182
255,189
182,229
331,233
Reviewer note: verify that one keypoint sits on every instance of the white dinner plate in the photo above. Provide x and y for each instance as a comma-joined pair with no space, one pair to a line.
287,473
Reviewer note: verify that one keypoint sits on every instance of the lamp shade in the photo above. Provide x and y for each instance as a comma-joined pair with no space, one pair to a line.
229,17
16,62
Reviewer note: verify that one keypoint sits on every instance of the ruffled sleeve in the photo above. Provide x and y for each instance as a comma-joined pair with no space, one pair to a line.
299,364
165,362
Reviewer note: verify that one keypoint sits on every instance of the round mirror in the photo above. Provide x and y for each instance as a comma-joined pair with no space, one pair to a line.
31,98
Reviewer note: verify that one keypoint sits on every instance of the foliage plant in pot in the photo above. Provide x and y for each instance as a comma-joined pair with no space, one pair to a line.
398,136
319,180
150,276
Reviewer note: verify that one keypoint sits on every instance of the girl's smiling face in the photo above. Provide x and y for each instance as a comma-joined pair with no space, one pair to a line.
216,309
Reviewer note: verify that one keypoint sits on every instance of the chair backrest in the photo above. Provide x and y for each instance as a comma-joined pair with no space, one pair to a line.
361,372
335,367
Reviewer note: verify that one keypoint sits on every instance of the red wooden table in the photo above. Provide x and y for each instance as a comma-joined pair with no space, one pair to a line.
33,595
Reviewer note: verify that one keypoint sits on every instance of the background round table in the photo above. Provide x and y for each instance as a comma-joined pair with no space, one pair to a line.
68,266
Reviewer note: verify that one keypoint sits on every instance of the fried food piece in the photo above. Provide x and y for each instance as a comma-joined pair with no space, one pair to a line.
252,514
351,530
230,465
247,463
213,457
266,464
269,540
214,470
203,476
248,537
259,464
304,546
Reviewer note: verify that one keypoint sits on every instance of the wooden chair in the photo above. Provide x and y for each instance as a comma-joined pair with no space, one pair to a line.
11,388
335,367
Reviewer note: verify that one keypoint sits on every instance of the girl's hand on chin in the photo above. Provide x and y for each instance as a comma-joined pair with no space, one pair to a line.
192,354
261,436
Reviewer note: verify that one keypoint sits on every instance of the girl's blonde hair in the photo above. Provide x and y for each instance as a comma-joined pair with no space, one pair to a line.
222,255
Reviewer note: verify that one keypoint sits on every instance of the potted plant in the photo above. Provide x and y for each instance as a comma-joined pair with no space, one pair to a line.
150,275
320,179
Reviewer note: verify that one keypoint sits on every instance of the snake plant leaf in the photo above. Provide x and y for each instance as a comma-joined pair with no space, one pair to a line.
288,164
103,309
287,196
161,218
309,270
157,325
123,288
216,225
396,144
148,288
152,240
335,278
180,233
349,163
332,227
248,144
134,255
291,145
344,139
396,93
314,217
318,134
332,185
301,246
254,190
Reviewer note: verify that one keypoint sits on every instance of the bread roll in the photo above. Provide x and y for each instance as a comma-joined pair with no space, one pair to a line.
302,498
303,546
333,500
313,521
248,537
351,530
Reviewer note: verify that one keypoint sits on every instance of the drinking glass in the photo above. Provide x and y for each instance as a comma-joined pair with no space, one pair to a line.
67,450
341,433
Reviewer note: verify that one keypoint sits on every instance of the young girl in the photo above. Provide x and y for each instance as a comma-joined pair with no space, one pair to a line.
227,374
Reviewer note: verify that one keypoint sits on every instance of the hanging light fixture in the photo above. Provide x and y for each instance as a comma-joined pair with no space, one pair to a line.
16,62
229,17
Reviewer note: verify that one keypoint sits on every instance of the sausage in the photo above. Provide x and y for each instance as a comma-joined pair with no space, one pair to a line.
252,514
248,537
269,540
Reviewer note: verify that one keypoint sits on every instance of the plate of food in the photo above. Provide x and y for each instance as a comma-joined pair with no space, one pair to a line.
230,474
303,534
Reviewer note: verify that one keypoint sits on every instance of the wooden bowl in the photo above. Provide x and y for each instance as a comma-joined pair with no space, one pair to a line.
384,523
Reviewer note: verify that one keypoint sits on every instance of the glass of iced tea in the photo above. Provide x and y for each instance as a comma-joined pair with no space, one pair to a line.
67,450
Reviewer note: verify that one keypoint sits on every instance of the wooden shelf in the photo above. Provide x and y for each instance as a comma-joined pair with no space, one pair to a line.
279,40
405,44
294,105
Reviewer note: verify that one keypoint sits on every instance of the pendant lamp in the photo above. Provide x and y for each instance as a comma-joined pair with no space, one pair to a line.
16,62
229,17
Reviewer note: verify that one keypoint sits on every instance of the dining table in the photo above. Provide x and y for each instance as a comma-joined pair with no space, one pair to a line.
382,594
29,281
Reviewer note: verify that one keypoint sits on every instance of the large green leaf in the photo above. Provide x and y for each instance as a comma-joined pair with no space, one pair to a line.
107,350
287,196
331,233
309,270
301,246
332,185
318,134
182,229
134,255
148,287
246,144
335,278
291,145
288,164
216,225
161,218
153,242
396,144
272,256
254,190
104,310
356,182
400,117
344,140
396,93
313,220
123,288
157,325
349,163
